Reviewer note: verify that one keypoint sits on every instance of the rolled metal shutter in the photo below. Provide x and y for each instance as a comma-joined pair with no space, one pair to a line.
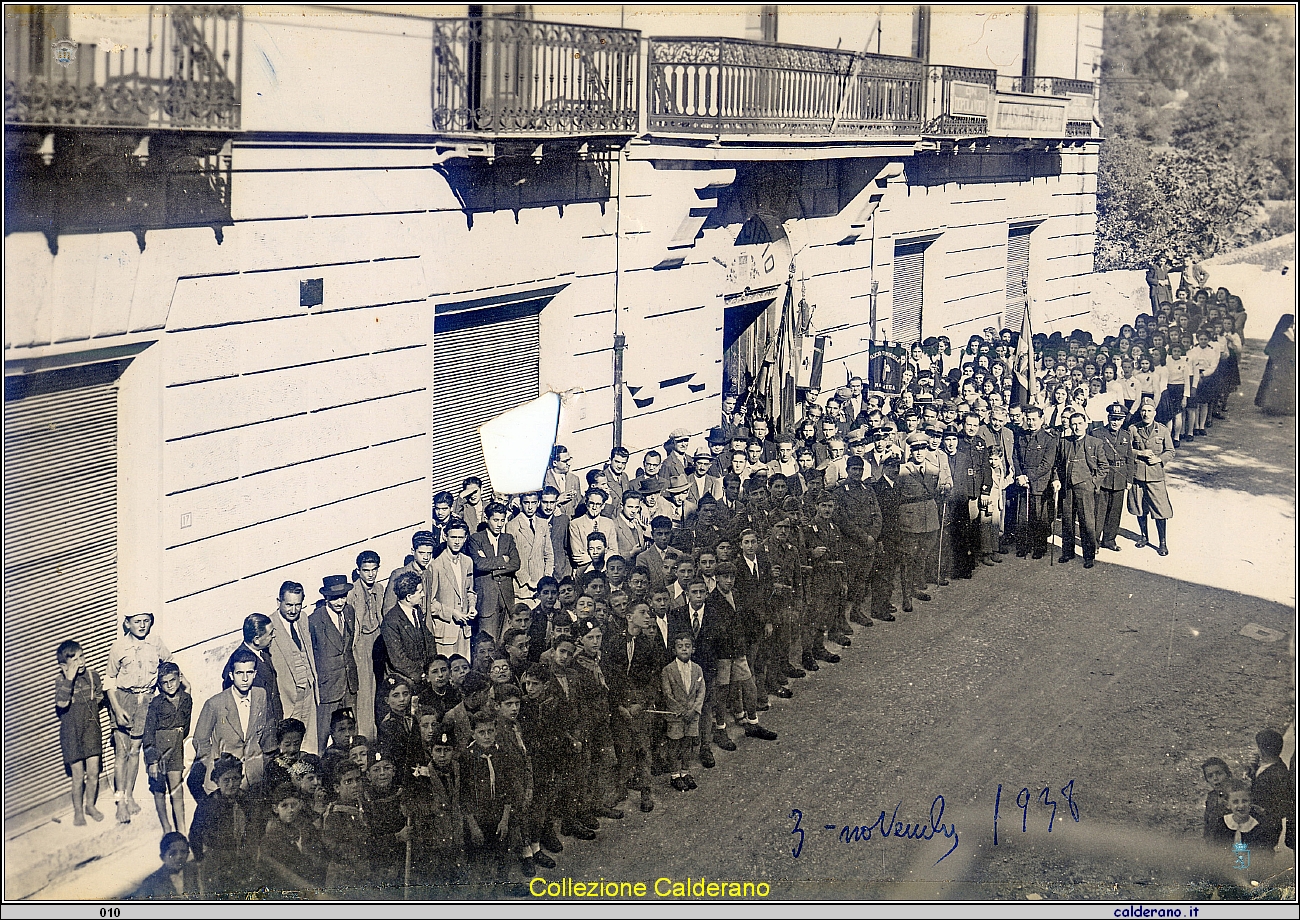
1017,275
909,277
60,561
485,362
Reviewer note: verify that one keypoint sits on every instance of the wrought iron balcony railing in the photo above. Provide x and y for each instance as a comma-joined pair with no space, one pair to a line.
960,100
518,77
733,87
187,77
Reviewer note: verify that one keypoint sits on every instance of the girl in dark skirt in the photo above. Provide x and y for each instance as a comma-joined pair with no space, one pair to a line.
1170,410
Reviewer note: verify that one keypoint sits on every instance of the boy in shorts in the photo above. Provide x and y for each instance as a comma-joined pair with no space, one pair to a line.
165,729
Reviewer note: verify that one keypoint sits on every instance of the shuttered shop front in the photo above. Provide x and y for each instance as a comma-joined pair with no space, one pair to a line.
1017,275
60,565
909,284
485,362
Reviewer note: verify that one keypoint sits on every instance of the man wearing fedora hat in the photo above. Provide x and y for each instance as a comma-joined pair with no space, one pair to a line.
332,625
672,502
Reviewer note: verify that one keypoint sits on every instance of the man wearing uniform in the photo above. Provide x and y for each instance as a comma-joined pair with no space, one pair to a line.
1081,465
1152,447
858,515
922,479
983,529
1110,497
1036,457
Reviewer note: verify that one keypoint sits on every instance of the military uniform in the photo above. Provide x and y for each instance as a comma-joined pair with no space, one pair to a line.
921,481
1110,494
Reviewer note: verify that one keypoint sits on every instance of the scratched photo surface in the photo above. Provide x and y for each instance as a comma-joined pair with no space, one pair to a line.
268,270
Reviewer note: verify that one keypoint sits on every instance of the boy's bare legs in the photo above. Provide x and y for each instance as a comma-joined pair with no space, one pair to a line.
178,799
78,783
92,788
125,771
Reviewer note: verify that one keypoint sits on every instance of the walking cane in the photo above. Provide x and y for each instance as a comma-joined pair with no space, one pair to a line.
406,878
943,511
1051,540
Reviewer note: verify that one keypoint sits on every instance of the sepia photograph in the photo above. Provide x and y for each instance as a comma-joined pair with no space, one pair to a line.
650,456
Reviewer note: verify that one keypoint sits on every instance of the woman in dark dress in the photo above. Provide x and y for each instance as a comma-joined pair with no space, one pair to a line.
1276,394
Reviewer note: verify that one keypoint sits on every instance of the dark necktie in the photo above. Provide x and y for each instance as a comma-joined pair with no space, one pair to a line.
293,633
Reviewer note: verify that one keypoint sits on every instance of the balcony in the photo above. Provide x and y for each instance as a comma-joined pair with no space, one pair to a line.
959,101
502,78
185,78
129,139
726,87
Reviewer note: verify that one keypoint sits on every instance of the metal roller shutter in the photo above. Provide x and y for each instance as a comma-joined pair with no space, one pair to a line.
60,560
485,362
1017,275
909,278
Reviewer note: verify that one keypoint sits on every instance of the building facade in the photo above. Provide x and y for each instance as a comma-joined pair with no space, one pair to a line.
268,269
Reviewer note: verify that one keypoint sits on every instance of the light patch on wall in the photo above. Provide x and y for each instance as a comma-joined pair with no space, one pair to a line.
517,444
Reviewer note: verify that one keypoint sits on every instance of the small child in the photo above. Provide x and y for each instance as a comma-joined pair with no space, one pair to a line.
177,879
1217,774
491,792
306,778
510,740
387,820
78,695
397,730
346,833
289,734
165,729
1272,789
292,855
343,726
358,754
683,691
434,691
219,834
439,826
459,667
1239,826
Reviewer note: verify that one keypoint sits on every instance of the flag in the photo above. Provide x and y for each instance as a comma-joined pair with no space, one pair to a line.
1024,389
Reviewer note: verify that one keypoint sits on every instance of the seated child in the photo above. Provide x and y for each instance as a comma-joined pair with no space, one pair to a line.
292,855
78,694
346,833
1218,775
165,729
219,834
177,879
683,694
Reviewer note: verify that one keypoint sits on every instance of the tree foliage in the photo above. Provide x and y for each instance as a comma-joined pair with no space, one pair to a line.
1200,114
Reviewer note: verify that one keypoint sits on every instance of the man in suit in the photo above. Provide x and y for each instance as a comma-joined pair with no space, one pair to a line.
753,591
496,560
533,538
258,633
566,484
1035,457
558,523
653,556
675,453
706,625
617,480
1110,495
451,601
333,628
423,545
1081,465
629,532
235,722
407,638
590,522
702,483
295,665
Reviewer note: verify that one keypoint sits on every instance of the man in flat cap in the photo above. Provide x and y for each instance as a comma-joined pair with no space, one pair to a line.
679,439
702,482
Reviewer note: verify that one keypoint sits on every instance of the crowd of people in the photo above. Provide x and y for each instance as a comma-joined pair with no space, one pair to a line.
539,658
